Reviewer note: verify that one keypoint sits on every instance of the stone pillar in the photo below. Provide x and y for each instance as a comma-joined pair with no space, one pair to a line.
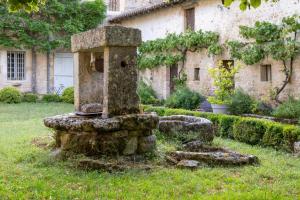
120,81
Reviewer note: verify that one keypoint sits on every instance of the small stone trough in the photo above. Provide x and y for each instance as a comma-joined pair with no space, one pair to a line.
196,153
171,125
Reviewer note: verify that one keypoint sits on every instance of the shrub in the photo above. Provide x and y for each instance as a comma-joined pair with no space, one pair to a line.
147,94
226,123
10,95
289,109
30,97
241,103
183,97
51,98
249,130
273,136
68,95
262,108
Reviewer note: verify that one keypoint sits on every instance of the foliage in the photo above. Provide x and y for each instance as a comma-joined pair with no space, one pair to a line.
147,94
241,103
51,27
10,95
244,4
267,39
223,80
289,109
244,129
51,98
183,97
262,108
27,5
173,48
27,170
68,95
30,97
250,131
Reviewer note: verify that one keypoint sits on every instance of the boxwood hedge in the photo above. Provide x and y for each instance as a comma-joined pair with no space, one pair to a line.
249,130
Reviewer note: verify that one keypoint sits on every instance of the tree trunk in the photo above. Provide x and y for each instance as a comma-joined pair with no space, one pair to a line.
33,71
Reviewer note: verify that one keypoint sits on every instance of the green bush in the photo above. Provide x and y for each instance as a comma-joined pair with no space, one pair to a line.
273,136
51,98
147,94
30,97
10,95
68,95
226,125
183,97
289,109
241,103
262,108
249,130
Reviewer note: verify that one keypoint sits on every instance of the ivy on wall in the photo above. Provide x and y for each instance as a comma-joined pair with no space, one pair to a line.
267,39
173,49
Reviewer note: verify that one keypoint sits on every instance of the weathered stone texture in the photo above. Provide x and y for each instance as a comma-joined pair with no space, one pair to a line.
297,148
120,81
171,125
122,135
106,36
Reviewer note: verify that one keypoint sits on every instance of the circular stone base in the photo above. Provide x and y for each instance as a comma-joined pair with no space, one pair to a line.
120,135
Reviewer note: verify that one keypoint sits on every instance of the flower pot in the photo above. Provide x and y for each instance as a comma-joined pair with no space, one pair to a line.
220,108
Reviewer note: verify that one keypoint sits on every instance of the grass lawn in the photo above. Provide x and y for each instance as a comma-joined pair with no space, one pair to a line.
27,172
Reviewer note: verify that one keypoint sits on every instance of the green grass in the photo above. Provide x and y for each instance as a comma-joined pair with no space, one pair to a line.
27,172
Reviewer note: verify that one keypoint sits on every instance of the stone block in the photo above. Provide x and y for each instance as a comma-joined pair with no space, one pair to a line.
146,144
131,146
106,36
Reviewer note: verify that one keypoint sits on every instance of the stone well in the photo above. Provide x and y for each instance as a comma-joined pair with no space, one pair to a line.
107,118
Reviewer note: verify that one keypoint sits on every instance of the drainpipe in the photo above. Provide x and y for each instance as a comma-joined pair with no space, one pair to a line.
48,72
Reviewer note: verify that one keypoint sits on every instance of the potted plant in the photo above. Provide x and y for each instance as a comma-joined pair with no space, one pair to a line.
223,80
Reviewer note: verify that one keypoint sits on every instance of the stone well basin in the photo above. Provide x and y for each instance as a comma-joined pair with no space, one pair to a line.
120,135
171,125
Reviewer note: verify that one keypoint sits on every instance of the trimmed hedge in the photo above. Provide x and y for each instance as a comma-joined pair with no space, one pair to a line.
249,130
68,95
30,97
51,98
10,95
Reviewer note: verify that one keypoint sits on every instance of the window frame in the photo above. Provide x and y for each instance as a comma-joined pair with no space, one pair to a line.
114,5
16,69
186,19
197,74
266,75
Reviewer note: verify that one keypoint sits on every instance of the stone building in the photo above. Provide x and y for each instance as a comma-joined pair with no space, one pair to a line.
155,21
53,72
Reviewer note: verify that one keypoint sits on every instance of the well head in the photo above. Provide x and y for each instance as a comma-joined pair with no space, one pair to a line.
106,69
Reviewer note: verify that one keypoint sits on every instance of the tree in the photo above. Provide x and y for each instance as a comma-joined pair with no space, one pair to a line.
268,39
27,5
49,28
244,4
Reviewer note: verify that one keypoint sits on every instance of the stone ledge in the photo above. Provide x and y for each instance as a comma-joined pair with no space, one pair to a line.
72,122
106,36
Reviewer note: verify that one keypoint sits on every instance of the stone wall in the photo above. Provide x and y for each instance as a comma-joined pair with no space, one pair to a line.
211,15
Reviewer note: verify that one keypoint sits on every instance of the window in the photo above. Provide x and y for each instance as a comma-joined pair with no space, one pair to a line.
190,19
15,65
266,73
114,5
228,64
196,74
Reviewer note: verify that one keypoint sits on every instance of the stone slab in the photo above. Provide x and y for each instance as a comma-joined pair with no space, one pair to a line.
106,36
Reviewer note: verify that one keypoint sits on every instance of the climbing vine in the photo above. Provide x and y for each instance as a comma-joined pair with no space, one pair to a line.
267,39
173,49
